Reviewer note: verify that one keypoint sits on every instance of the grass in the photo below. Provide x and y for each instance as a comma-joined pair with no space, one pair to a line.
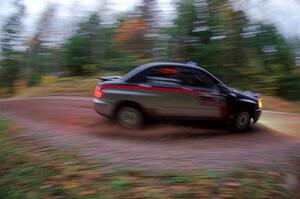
31,170
80,86
70,86
3,124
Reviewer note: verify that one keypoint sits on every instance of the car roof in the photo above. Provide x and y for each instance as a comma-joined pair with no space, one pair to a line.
152,64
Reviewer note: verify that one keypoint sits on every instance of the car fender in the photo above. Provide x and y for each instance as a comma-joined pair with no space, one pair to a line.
245,103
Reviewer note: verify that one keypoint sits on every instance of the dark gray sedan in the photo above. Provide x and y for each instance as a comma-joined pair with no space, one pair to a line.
173,90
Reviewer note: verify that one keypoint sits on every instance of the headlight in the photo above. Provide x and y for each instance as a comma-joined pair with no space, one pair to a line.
259,102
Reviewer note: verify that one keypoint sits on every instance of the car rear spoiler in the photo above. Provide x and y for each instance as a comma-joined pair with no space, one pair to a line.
109,78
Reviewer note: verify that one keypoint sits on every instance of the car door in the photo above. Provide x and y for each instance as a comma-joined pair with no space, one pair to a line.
206,100
165,83
162,94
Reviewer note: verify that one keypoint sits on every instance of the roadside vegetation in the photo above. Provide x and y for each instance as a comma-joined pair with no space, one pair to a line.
32,170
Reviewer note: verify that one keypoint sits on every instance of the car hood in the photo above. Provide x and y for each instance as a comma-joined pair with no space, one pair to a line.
245,94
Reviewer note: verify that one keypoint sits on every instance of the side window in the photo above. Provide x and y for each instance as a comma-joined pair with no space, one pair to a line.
174,76
196,78
168,75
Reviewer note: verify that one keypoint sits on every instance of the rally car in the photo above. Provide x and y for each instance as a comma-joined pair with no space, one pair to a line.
174,90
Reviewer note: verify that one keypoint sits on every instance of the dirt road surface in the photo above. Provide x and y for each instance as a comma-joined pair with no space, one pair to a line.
71,123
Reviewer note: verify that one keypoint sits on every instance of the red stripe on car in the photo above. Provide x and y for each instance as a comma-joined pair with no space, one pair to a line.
144,88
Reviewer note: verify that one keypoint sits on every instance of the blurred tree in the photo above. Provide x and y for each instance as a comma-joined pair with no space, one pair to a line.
131,36
198,32
130,29
138,31
276,57
38,47
227,26
11,46
185,25
222,39
85,47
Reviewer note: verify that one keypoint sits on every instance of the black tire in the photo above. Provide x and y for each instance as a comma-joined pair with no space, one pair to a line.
241,120
130,117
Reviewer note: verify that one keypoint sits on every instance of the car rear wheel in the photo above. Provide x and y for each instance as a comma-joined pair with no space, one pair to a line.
242,120
130,117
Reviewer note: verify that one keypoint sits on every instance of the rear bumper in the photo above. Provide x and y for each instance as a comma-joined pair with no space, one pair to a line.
102,107
257,115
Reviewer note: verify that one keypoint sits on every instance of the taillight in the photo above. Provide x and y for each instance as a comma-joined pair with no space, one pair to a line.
98,91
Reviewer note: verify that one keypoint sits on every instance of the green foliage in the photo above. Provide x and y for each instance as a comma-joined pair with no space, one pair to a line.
177,179
290,87
10,67
77,54
187,16
4,125
33,78
119,184
11,63
91,45
12,28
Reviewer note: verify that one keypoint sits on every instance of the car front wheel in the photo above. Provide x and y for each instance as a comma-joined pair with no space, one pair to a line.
130,117
241,120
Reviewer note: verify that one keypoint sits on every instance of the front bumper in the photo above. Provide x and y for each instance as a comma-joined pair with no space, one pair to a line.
102,107
257,115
